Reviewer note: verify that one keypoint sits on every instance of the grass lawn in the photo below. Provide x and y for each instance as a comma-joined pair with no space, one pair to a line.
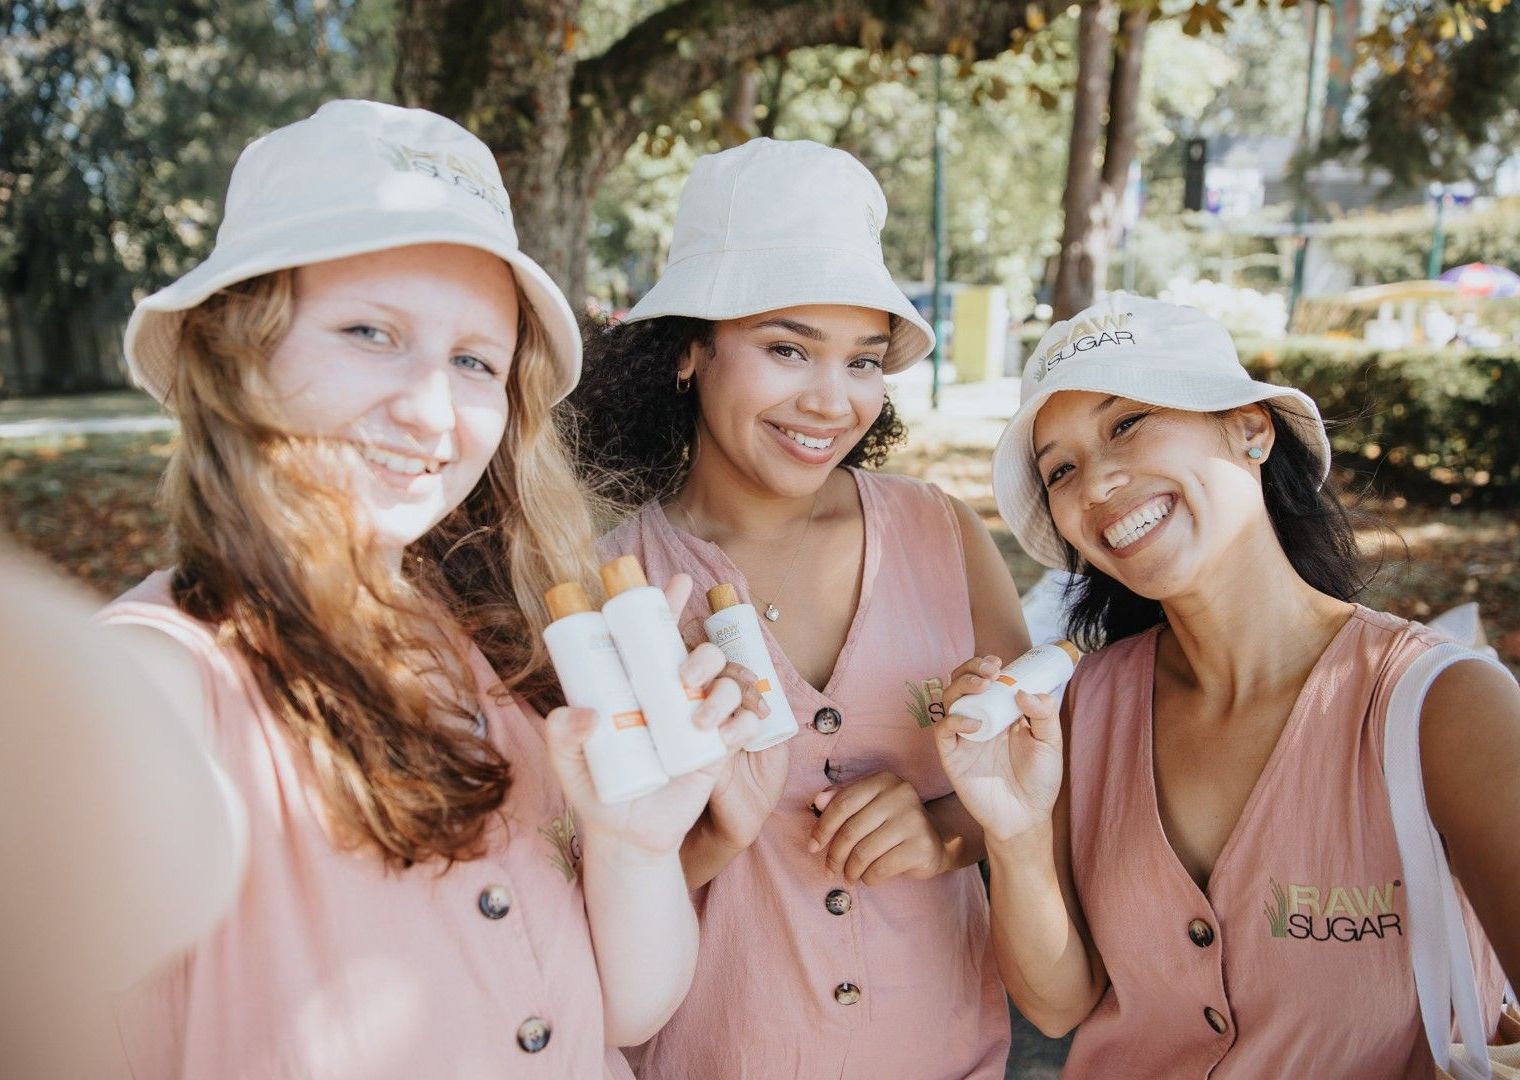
88,503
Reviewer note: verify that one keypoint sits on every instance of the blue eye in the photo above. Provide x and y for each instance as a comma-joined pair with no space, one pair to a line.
474,363
371,334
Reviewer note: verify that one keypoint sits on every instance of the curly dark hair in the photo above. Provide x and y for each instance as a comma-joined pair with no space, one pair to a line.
1314,528
632,432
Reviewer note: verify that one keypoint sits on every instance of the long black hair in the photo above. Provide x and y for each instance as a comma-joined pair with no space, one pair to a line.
1312,526
630,424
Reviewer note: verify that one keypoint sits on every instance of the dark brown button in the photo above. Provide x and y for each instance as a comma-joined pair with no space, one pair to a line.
838,902
1201,933
533,1034
827,720
1216,1019
495,901
847,993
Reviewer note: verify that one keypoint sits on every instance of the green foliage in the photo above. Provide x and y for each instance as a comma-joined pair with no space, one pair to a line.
1394,247
118,130
1430,424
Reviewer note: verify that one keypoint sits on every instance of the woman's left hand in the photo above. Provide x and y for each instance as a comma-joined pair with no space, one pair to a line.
877,828
655,824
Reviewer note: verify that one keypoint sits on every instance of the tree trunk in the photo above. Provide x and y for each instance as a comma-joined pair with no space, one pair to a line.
508,70
1119,143
740,99
1074,272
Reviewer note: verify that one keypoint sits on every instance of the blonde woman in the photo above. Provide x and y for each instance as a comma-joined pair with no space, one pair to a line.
368,501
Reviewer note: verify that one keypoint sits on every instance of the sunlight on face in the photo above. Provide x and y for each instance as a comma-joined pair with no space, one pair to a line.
787,394
403,355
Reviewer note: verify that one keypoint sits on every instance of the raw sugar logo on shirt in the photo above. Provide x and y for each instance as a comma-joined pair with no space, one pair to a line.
1084,335
451,170
1337,913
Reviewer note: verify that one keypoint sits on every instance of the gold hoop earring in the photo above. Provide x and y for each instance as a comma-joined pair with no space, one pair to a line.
683,383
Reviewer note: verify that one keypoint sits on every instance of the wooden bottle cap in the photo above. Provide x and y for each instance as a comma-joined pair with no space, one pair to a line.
723,596
622,574
567,598
1071,650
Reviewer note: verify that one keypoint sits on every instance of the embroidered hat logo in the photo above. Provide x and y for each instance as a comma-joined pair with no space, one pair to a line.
1084,335
450,169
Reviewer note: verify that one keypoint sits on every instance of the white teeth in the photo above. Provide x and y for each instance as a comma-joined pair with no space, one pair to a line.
1137,523
808,440
398,463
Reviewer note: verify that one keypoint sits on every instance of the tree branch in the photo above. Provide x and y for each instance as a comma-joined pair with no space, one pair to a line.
672,56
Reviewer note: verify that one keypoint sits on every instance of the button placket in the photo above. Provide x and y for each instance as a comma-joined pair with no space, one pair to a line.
1200,933
838,902
827,720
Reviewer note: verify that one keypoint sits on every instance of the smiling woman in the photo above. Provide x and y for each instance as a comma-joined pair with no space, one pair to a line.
1210,803
369,497
740,409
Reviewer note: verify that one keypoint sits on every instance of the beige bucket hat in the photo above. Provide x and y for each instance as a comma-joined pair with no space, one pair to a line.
355,177
1162,354
771,225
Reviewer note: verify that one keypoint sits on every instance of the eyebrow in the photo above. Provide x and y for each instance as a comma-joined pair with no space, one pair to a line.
812,333
1096,409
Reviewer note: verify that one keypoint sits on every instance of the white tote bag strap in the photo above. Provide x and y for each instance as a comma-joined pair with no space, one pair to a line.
1443,969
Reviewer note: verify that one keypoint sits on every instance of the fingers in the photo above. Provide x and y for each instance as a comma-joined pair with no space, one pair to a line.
862,828
870,847
723,699
901,859
1043,714
677,592
565,729
972,677
838,806
704,664
739,729
749,683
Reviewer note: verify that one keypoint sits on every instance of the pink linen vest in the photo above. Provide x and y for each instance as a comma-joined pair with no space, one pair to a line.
1294,962
782,937
330,967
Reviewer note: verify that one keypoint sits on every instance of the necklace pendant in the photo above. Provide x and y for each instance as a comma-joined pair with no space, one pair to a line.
772,613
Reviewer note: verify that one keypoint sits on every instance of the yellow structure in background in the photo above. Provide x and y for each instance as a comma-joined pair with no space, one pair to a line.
981,333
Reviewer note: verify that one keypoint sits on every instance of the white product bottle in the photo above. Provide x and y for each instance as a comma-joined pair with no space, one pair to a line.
652,652
620,753
735,628
1041,670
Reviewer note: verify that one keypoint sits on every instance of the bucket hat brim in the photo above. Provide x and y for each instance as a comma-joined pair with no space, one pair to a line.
152,335
1017,485
735,284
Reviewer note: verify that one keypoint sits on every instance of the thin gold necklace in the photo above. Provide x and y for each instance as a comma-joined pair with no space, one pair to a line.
771,612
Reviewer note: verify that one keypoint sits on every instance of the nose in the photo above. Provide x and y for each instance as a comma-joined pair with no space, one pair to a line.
1104,478
826,395
424,405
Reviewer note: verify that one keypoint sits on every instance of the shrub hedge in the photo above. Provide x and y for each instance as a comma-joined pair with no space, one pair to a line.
1428,424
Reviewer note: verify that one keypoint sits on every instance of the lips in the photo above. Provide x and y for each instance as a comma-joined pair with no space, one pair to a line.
1139,522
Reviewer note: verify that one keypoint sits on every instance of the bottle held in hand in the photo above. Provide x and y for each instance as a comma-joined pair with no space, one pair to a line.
1042,670
735,628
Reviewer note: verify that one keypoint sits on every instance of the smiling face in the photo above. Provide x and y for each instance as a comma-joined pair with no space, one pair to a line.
403,355
787,394
1158,499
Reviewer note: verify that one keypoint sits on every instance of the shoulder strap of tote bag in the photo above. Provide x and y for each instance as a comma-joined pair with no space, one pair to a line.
1443,970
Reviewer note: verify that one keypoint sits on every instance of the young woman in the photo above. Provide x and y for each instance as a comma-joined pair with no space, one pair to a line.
844,925
369,500
1215,889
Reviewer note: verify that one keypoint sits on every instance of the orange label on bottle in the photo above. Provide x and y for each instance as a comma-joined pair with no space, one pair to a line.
1007,680
763,686
695,695
622,721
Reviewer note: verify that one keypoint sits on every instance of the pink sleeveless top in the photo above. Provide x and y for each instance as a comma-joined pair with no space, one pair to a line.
329,967
1294,962
786,944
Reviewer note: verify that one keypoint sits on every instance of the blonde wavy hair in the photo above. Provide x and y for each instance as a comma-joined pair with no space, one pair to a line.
367,672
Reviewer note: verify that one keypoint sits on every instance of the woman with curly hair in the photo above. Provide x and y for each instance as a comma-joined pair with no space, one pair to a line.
369,499
743,404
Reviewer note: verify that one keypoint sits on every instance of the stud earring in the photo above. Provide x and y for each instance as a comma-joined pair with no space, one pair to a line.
1254,453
